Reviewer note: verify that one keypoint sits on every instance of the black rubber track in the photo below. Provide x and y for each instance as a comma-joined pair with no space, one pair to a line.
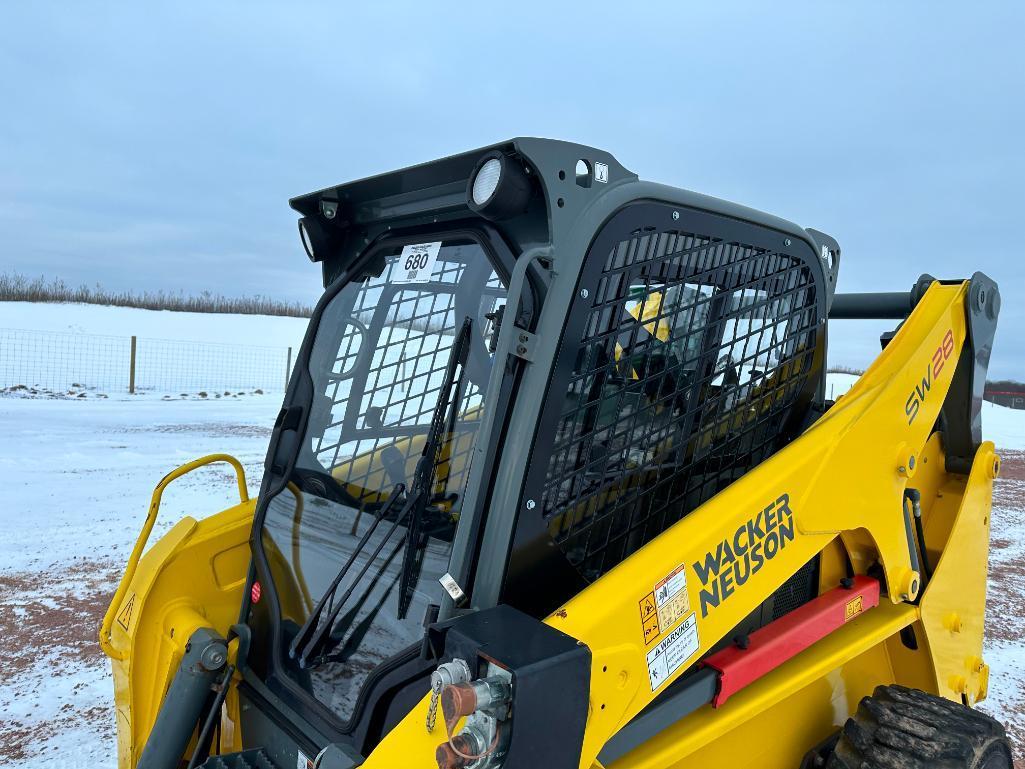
900,728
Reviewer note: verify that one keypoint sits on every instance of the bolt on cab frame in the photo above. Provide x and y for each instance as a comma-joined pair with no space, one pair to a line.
568,429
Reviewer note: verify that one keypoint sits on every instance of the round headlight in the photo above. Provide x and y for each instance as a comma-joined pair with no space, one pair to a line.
499,186
321,240
486,181
304,235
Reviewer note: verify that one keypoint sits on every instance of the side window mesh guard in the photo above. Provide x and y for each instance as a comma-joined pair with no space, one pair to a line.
694,355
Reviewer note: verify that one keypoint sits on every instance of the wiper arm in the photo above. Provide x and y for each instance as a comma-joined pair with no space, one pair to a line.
443,420
302,646
313,635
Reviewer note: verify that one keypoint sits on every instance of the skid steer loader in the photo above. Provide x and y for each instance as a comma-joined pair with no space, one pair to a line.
555,484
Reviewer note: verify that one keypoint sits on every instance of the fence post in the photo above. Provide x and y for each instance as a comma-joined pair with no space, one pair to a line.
288,367
131,370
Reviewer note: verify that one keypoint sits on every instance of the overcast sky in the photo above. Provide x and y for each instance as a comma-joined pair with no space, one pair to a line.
150,149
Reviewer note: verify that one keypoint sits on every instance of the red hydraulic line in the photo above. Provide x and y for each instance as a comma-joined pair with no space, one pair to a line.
771,646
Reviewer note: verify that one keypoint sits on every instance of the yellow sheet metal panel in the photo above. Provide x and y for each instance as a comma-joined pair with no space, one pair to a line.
822,684
192,577
832,565
913,667
409,744
183,582
780,734
954,603
119,602
230,566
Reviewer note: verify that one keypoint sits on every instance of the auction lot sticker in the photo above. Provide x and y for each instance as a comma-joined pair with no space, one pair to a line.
416,263
672,651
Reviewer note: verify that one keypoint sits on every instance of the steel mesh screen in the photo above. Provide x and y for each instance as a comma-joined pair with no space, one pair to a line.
694,353
799,588
380,413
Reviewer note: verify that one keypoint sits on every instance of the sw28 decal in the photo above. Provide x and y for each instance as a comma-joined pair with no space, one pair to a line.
932,371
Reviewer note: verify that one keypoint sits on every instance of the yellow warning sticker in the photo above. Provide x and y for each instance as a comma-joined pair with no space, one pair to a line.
671,599
124,617
650,628
854,607
647,606
649,618
665,605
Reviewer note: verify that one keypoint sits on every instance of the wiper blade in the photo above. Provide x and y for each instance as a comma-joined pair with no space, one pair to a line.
443,421
302,645
314,635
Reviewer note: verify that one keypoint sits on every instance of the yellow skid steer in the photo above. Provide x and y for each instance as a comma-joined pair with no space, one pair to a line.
556,483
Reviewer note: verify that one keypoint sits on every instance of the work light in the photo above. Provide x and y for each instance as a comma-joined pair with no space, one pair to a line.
307,243
498,187
486,181
316,238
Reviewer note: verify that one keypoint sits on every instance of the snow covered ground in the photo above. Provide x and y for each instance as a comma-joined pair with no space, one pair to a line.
126,321
77,473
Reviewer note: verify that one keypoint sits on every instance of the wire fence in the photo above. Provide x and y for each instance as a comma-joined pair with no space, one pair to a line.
58,361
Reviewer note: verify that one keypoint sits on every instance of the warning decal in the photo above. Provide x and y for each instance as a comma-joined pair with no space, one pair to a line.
673,651
664,606
124,618
649,618
853,608
671,598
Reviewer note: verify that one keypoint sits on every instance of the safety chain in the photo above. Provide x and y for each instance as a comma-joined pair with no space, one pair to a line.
432,709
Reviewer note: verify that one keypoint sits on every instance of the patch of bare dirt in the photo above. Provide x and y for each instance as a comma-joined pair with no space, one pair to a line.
212,429
21,741
1009,494
1005,620
43,617
63,611
1012,465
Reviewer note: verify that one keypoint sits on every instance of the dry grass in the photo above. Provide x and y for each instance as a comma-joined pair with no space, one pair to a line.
18,288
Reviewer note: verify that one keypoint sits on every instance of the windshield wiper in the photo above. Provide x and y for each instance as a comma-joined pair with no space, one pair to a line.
302,646
444,419
314,634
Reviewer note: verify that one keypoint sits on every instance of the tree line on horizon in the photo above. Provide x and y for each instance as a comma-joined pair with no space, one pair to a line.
18,288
